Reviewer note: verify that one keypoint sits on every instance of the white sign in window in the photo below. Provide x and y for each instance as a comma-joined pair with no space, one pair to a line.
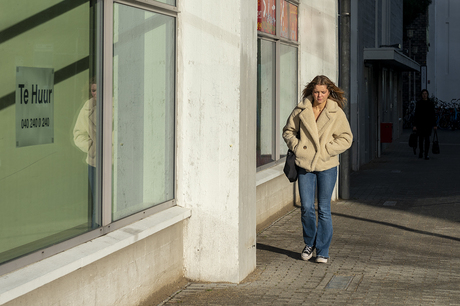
34,106
423,77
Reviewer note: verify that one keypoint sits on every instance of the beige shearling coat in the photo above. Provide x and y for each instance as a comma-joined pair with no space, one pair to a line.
320,141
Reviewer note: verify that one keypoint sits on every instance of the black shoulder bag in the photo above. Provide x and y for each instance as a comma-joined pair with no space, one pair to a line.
290,168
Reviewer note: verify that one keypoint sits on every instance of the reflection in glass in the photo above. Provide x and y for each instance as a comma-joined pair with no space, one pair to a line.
143,95
84,134
44,188
265,101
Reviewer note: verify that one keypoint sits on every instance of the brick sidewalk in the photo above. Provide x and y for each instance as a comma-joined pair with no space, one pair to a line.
396,241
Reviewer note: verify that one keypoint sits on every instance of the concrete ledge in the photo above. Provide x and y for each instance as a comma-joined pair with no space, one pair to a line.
269,174
27,279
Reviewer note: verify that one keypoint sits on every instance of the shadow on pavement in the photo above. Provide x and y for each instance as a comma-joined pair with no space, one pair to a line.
425,187
397,227
265,247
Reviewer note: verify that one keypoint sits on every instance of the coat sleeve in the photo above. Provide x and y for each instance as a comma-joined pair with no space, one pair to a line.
291,130
342,137
80,132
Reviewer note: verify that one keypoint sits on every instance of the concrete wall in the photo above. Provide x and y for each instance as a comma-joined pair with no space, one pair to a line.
127,277
318,39
216,137
274,199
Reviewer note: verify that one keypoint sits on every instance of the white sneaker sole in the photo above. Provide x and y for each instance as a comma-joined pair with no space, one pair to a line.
305,256
321,260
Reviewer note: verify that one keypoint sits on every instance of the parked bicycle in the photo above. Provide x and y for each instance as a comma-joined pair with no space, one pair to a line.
447,116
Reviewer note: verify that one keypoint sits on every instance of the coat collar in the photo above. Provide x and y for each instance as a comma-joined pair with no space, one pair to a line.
316,128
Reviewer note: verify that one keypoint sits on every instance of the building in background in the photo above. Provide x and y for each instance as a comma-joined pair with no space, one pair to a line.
377,65
416,46
443,63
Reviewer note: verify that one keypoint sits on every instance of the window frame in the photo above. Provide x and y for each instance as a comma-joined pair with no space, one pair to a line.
106,188
104,151
278,40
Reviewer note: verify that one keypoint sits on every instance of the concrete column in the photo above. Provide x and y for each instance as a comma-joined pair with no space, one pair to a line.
216,126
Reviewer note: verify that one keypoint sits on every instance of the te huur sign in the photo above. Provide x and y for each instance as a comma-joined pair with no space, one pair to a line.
34,101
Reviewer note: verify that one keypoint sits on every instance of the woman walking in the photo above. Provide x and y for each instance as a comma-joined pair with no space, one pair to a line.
424,122
317,131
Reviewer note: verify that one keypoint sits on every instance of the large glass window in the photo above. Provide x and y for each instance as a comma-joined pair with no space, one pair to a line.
62,120
48,52
265,101
288,87
143,105
277,85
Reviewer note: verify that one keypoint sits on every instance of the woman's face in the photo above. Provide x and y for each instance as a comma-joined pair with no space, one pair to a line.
320,94
93,90
424,95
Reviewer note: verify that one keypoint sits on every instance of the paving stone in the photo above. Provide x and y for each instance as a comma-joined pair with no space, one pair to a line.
406,253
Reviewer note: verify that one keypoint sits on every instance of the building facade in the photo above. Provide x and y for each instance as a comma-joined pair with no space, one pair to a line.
141,140
377,64
416,47
443,64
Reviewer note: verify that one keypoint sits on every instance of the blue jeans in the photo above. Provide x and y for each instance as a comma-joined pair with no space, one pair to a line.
318,235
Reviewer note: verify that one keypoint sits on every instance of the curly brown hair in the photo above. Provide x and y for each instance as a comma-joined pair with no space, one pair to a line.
335,93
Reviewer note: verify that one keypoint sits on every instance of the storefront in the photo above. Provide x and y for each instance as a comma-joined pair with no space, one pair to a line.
87,144
70,165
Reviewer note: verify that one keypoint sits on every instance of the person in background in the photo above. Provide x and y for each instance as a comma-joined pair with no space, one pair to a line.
324,132
424,122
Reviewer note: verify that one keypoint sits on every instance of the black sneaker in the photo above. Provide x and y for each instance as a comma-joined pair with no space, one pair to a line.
307,253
